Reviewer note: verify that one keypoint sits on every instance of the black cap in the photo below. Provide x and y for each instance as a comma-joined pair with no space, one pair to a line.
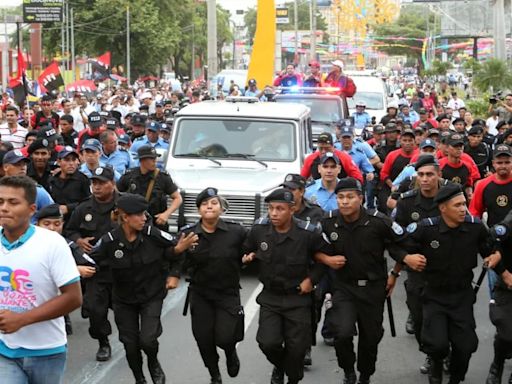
153,126
378,128
445,136
66,151
425,159
48,133
112,123
455,139
164,128
325,138
480,122
159,104
50,211
458,120
38,144
281,195
432,131
138,119
95,119
147,152
329,156
294,181
407,131
103,174
252,82
391,127
348,184
206,194
131,203
476,130
422,111
502,149
347,132
428,143
442,116
448,192
123,139
14,157
104,114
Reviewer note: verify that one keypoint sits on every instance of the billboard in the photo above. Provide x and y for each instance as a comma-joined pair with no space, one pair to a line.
42,11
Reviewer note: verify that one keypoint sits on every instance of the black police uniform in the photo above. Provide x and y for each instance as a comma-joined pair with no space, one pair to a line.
92,219
310,212
360,286
481,155
214,268
139,272
284,261
133,181
448,296
70,191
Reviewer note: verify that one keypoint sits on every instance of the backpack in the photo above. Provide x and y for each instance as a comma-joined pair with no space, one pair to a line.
350,87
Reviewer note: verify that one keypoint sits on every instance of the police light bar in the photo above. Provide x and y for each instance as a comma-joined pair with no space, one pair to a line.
298,89
241,99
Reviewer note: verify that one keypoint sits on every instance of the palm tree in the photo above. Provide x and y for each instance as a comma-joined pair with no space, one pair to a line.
493,74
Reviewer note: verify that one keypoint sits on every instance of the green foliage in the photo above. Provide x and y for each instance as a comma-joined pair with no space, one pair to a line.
493,75
479,106
471,65
439,68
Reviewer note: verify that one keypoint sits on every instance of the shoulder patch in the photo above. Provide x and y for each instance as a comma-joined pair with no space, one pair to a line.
411,228
408,194
397,228
331,214
188,226
262,221
430,221
308,226
376,213
472,219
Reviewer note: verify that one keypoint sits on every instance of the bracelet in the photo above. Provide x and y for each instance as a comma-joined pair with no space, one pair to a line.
395,274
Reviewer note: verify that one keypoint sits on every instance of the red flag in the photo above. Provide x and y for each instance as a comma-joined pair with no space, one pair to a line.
101,66
82,86
50,78
19,84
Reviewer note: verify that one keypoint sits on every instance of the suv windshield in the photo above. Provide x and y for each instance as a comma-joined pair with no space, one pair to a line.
322,110
373,100
244,139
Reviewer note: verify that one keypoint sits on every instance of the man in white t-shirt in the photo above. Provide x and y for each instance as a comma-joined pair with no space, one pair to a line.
11,131
455,103
39,284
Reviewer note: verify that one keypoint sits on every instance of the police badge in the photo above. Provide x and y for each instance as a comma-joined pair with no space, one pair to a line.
118,254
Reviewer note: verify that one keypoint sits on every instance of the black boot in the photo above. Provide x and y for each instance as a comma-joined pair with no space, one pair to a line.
495,372
277,376
426,365
350,377
435,374
409,325
142,380
104,351
232,363
364,379
215,377
156,371
446,362
510,379
307,358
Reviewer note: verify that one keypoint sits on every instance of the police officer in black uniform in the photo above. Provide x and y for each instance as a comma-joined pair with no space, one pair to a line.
284,248
304,209
479,150
358,240
147,179
214,268
139,257
450,243
89,221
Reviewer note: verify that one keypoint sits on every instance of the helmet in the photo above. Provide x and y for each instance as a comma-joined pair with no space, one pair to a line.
393,104
360,103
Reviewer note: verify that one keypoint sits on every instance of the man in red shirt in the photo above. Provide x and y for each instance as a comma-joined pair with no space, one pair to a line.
96,127
424,119
325,144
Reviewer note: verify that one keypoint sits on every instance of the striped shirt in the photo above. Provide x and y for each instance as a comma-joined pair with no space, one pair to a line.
16,138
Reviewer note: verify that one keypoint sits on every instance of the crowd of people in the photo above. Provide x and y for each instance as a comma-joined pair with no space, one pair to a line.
416,184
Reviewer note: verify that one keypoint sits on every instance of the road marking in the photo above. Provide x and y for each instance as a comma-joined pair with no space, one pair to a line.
95,372
252,307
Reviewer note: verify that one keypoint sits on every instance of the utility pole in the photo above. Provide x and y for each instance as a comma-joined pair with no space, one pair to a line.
193,55
296,27
63,41
72,47
212,38
128,69
67,35
500,51
5,55
234,45
313,30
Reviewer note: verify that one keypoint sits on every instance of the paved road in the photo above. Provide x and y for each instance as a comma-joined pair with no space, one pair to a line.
398,362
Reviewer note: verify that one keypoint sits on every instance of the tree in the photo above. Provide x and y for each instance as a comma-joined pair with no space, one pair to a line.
493,75
440,68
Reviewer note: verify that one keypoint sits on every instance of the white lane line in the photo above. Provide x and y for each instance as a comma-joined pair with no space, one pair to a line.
251,307
95,372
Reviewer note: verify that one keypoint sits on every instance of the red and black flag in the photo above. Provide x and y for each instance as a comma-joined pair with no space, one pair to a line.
51,78
18,84
101,66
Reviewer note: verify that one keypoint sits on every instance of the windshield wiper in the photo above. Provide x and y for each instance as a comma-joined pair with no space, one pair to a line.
247,157
322,122
199,156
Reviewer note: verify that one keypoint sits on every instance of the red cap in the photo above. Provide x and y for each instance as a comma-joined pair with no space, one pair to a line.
314,63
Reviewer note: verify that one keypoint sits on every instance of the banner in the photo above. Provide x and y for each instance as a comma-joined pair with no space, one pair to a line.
51,78
81,86
101,66
18,84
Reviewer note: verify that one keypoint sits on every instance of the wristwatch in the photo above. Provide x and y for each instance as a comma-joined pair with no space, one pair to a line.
395,274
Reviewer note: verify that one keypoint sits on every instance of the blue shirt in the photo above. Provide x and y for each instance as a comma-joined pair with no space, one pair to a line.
160,144
361,120
411,118
360,159
360,145
316,193
120,160
87,172
406,173
43,199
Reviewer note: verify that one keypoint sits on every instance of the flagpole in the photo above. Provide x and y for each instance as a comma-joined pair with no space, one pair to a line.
72,47
128,69
22,75
63,42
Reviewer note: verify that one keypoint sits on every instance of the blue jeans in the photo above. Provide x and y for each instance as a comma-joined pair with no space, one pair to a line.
33,370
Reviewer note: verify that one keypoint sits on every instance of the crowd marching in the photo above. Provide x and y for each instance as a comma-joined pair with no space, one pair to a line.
82,179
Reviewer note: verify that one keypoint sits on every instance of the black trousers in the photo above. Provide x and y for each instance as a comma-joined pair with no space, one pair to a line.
448,320
414,290
215,320
284,332
500,313
96,302
139,328
362,307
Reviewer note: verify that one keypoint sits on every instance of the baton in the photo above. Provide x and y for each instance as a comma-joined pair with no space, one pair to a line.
187,299
391,317
478,283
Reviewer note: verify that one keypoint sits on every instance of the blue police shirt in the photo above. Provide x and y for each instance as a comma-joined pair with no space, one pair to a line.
160,144
362,119
406,173
316,193
411,118
87,172
360,159
120,160
43,199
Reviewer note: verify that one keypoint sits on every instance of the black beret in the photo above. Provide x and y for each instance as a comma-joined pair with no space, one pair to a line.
476,130
131,203
103,174
458,120
448,192
280,195
348,184
52,210
206,194
38,144
294,181
425,160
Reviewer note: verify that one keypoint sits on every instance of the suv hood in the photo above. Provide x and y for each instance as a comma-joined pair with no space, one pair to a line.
228,181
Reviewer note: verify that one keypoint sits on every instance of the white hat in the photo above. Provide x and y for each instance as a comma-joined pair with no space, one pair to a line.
146,95
338,63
